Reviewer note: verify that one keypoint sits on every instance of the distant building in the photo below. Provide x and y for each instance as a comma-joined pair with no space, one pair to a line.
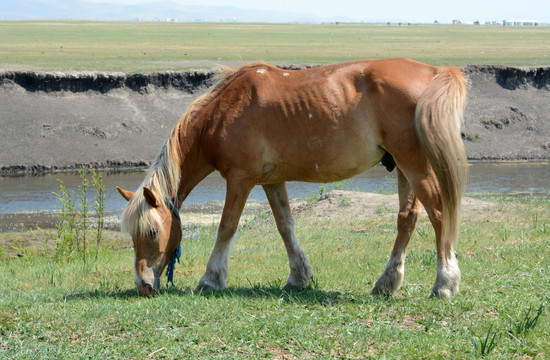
515,22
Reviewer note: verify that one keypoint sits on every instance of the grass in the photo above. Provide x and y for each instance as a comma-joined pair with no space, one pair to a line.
77,310
135,47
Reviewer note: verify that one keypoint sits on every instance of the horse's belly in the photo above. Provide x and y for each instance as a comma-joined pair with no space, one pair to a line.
321,166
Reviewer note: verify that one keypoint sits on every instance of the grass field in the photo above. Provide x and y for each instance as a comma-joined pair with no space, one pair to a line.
60,310
134,47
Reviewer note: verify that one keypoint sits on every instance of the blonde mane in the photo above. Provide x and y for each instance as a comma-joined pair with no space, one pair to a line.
164,175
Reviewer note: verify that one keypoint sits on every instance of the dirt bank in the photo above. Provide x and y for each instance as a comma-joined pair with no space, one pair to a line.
58,121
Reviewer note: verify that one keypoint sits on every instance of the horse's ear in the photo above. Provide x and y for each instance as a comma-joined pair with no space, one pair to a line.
151,197
125,193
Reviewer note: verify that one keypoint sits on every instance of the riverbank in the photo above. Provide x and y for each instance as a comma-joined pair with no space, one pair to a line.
55,122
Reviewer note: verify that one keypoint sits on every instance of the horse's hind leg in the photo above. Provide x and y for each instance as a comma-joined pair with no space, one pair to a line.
426,188
215,277
409,211
300,271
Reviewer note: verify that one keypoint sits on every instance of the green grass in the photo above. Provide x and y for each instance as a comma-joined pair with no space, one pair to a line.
50,310
133,47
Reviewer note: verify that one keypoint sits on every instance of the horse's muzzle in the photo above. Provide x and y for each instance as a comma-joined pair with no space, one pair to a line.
146,280
145,289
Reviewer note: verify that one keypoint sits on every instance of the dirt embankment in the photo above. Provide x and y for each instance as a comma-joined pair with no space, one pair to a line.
59,121
508,113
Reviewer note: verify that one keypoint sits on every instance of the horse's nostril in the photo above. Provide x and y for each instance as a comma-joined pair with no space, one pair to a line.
146,289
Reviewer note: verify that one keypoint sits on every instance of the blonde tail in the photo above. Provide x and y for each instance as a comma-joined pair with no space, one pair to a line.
438,119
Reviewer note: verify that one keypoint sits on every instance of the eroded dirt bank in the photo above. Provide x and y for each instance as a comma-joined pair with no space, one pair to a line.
58,121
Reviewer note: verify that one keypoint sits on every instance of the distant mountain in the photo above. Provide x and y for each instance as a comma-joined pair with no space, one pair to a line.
153,11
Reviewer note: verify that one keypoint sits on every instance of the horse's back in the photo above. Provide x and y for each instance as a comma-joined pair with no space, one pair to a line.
320,124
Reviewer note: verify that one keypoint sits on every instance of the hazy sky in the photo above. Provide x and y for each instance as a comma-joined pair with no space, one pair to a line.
408,10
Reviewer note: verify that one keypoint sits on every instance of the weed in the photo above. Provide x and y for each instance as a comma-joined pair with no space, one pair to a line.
505,234
493,124
526,323
390,187
428,323
485,345
72,227
66,222
543,227
471,137
99,206
381,210
326,188
345,202
341,185
82,228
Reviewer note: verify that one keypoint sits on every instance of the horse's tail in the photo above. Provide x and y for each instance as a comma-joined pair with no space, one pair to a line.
438,119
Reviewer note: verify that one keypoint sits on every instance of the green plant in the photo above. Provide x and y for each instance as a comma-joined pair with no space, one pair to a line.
485,345
66,223
526,323
505,234
345,202
72,226
341,185
99,206
471,137
542,227
82,217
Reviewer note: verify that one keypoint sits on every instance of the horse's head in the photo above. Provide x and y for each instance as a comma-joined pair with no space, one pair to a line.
155,227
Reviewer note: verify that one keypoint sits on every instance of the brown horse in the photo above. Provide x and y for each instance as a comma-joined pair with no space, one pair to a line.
263,125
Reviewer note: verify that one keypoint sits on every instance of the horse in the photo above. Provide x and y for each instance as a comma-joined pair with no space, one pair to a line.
262,125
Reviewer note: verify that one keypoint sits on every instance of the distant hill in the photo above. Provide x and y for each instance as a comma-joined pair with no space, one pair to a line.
153,11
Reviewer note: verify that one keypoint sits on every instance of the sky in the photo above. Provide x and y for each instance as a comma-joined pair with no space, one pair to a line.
426,11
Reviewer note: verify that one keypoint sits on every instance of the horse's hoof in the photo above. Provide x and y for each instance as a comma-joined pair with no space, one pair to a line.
442,294
377,291
204,287
289,287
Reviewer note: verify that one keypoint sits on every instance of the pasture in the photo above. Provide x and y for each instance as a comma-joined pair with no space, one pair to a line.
69,309
136,47
52,309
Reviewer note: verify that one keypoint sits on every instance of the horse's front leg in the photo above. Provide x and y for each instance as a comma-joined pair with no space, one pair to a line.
300,271
215,277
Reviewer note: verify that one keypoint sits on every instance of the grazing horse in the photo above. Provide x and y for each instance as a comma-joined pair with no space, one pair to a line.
264,125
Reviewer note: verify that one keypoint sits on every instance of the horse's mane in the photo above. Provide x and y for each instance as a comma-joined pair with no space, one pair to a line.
164,175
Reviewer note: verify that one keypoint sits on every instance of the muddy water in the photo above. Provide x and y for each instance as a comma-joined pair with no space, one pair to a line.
29,201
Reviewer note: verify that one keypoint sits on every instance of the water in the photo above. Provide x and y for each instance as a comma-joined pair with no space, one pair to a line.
35,193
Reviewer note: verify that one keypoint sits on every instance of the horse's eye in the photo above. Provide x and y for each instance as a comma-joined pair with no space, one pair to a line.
153,233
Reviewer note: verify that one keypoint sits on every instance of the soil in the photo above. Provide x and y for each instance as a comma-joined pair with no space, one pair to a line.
59,121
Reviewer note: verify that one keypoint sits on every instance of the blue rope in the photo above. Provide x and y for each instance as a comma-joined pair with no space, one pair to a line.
177,253
172,265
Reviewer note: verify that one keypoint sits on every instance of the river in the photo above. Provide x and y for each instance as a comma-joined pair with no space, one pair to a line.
29,196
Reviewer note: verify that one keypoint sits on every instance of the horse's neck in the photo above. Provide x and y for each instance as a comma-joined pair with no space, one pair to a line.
193,166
